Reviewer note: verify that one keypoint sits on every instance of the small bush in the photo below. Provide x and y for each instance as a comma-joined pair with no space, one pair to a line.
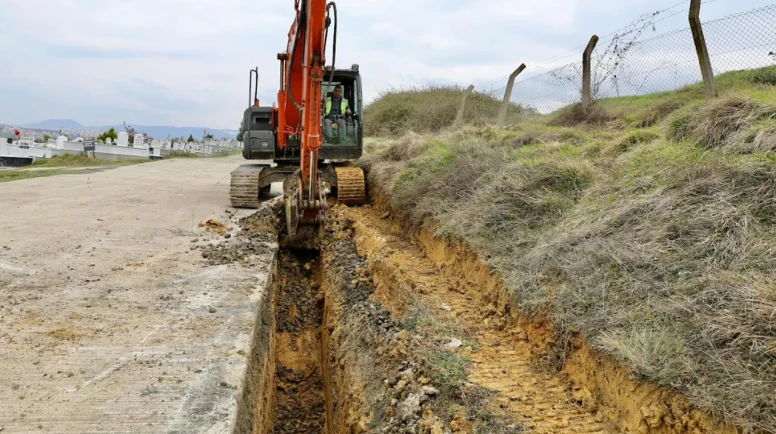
766,76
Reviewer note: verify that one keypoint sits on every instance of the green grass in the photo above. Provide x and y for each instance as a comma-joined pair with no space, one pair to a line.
7,175
651,233
182,154
59,165
646,110
80,160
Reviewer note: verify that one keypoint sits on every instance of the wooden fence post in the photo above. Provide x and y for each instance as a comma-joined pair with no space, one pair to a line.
700,47
466,93
502,114
587,73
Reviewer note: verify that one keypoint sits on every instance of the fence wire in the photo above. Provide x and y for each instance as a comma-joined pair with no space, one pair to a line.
630,64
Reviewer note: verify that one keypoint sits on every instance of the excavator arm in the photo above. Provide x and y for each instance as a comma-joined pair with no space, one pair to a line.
300,106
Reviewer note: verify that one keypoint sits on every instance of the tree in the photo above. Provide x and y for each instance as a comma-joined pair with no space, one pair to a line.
190,139
110,133
46,137
240,136
208,136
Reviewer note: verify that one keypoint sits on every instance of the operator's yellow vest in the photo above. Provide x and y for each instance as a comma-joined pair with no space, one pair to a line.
344,106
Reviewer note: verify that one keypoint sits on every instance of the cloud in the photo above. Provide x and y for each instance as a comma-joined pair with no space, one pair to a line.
185,62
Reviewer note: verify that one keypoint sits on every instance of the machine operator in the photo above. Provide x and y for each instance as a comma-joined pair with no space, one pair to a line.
337,108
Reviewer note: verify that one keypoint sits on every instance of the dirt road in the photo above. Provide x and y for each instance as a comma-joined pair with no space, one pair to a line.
109,320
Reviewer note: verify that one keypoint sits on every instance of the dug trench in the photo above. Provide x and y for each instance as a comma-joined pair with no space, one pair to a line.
385,330
326,357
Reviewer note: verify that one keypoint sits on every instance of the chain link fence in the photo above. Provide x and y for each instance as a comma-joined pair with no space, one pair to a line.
629,64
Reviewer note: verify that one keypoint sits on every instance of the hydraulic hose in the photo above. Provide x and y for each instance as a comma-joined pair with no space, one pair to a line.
300,30
332,5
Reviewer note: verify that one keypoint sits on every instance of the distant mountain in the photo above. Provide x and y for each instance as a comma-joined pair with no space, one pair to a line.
162,132
157,132
55,124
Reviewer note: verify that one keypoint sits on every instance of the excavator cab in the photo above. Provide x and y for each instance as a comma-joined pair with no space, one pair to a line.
344,129
260,132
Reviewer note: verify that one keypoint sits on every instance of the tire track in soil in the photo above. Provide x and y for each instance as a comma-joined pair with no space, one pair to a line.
541,401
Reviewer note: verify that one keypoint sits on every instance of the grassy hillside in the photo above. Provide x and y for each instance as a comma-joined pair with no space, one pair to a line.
429,109
648,224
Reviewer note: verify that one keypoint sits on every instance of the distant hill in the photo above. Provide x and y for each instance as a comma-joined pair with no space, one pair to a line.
157,132
55,124
162,132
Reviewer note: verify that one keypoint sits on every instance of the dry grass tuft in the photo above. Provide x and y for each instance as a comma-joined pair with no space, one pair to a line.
733,123
659,112
576,115
630,141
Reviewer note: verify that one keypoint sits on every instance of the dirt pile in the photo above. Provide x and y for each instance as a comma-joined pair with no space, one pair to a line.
258,235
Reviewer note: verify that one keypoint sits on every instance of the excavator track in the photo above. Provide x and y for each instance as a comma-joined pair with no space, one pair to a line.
244,190
351,187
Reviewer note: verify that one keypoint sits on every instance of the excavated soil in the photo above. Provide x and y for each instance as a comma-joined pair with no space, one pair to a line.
500,359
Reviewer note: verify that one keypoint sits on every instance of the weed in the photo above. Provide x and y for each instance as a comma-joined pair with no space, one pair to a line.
450,370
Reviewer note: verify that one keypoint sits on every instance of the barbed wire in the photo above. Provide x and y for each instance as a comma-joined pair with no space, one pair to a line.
602,39
628,64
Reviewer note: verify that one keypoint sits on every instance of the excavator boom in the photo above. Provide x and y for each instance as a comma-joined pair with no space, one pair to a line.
301,100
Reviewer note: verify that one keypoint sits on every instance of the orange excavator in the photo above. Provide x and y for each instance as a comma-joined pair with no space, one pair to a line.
314,133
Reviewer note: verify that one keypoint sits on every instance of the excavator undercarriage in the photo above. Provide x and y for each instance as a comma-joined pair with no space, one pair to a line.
251,183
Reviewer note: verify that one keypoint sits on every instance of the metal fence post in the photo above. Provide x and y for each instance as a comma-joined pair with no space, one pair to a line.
466,93
502,114
700,47
586,71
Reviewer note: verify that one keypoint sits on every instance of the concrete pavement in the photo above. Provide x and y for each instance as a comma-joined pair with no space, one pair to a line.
109,322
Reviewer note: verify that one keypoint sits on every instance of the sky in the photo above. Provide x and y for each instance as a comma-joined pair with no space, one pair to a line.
186,62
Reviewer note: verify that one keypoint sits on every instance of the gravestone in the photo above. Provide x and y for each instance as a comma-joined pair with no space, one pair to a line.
139,141
108,141
123,139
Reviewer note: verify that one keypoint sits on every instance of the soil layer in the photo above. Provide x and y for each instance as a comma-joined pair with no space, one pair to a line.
551,385
299,396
